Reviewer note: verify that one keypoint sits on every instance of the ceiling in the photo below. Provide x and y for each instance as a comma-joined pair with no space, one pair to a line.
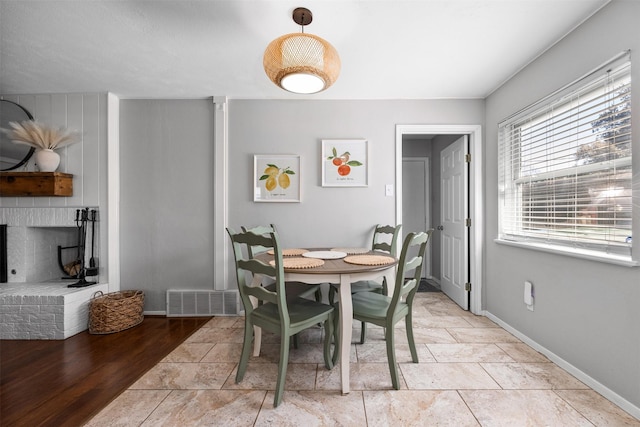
390,49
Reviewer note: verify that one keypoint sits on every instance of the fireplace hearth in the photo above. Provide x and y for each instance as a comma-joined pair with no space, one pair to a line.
35,300
44,311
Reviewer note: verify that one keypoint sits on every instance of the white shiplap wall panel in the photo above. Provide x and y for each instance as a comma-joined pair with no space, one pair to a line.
57,113
73,153
86,160
87,114
91,150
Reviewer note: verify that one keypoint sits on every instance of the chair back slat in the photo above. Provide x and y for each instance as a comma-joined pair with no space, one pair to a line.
414,263
257,267
262,294
260,229
385,238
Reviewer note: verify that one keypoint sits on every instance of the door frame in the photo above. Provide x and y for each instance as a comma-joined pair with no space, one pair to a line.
475,191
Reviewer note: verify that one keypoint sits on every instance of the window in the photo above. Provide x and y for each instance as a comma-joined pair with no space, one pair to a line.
565,174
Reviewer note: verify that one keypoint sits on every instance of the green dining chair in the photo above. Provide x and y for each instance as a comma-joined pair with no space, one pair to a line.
385,239
277,314
385,311
293,289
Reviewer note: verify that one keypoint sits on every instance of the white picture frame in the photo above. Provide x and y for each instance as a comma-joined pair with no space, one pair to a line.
345,163
276,178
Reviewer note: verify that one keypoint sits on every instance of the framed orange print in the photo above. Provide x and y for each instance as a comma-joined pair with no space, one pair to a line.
345,163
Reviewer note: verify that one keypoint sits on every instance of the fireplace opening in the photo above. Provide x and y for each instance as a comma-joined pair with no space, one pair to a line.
32,253
36,244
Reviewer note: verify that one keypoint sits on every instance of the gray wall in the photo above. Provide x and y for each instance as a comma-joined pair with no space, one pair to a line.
166,197
416,147
326,216
167,186
586,312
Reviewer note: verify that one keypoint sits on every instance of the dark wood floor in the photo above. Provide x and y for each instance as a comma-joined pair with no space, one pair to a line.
65,383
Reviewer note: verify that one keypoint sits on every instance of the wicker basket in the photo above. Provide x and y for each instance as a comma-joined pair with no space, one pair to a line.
115,311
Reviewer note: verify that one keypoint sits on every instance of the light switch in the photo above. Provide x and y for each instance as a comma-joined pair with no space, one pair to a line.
388,190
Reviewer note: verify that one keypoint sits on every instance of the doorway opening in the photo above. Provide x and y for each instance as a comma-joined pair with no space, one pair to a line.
437,137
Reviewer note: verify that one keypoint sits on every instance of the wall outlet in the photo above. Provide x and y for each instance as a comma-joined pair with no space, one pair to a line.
388,190
528,295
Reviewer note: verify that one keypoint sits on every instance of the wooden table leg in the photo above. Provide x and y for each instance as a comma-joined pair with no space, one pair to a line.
346,320
257,340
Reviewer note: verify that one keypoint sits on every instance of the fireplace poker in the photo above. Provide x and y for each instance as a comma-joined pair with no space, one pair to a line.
93,262
83,232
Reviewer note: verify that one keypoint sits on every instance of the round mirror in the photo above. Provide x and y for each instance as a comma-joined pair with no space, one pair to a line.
12,155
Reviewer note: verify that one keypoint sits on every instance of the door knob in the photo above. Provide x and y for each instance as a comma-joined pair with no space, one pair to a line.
440,227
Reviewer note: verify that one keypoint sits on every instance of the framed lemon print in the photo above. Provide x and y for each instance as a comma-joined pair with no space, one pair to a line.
276,178
345,163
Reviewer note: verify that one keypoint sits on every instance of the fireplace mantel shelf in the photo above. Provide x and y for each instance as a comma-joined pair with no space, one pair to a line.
36,184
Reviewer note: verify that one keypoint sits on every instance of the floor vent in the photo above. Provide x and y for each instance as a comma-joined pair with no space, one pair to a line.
184,303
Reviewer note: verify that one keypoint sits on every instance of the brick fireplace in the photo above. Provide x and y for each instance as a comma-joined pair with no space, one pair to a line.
35,302
37,225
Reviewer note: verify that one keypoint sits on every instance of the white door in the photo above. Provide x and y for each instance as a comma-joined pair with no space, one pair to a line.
415,200
453,229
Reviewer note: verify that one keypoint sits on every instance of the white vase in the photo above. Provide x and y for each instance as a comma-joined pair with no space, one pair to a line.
47,160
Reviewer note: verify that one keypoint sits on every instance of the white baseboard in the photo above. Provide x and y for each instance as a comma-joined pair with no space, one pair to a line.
595,385
155,313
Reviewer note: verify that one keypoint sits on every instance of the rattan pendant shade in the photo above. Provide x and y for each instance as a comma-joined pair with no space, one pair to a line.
301,63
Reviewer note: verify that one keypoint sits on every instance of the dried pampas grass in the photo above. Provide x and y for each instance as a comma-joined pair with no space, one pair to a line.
40,136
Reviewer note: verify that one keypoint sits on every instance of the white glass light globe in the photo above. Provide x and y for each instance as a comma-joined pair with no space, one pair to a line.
302,83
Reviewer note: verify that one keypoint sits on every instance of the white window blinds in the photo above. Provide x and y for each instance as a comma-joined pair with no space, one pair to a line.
565,166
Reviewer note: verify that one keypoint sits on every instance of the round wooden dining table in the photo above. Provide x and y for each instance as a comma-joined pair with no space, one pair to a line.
342,273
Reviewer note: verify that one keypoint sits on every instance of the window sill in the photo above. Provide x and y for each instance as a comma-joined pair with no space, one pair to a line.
573,252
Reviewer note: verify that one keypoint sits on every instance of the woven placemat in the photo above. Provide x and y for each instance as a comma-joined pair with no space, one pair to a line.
289,252
300,262
369,259
351,251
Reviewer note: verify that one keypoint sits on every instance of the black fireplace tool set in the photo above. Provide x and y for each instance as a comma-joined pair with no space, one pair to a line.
77,269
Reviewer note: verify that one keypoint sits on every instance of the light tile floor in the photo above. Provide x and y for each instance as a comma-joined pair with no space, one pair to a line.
471,373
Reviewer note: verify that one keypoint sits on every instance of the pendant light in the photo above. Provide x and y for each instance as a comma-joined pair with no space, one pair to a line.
299,62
